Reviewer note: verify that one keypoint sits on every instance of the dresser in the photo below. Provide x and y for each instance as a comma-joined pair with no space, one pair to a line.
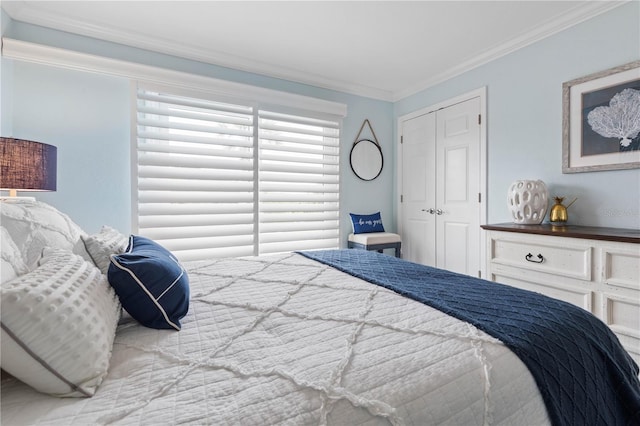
595,268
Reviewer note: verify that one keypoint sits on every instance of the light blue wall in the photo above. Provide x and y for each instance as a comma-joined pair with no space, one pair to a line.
87,116
524,102
5,83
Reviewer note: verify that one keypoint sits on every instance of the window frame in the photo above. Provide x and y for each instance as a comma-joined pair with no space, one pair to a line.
257,106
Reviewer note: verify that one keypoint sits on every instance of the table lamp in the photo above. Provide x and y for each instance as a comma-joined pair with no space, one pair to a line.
27,166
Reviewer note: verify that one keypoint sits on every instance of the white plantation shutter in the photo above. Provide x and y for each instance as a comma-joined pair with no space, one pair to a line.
299,183
195,175
215,179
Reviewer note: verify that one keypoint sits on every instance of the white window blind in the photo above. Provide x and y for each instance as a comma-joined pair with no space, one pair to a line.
299,183
195,175
215,179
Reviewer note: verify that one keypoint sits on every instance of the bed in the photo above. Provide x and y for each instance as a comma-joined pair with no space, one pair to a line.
296,338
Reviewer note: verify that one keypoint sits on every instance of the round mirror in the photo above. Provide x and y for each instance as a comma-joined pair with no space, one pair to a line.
366,159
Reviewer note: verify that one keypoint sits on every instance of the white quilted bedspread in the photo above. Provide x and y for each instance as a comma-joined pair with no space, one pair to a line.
283,339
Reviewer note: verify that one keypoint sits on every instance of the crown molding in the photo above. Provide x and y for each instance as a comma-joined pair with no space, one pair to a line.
33,15
554,26
36,53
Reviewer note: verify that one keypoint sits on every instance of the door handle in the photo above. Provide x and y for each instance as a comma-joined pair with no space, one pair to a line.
430,211
439,211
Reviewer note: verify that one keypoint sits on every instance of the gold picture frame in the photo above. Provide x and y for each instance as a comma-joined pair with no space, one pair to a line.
598,124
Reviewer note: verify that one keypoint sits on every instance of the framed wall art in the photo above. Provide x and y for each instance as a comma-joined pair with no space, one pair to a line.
601,120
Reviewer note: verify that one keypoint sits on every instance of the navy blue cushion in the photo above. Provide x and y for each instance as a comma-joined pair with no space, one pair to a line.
151,284
364,223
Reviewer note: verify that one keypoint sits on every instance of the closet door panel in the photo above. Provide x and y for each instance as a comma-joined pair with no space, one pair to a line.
418,177
457,187
456,179
454,255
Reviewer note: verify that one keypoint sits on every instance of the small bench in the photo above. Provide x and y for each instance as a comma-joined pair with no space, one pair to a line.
375,241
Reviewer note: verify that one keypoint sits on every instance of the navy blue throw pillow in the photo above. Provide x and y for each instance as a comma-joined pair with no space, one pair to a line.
151,284
364,223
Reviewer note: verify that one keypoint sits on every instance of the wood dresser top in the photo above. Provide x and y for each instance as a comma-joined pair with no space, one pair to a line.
571,231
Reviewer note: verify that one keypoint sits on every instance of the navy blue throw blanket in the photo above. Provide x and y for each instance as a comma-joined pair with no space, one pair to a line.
584,375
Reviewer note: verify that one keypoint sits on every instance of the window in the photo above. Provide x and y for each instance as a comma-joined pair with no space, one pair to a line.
298,177
216,179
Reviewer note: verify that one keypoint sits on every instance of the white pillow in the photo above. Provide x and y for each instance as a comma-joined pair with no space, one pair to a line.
58,325
103,244
12,264
34,225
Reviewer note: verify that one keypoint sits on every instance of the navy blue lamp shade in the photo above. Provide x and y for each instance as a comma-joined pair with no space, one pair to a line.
27,165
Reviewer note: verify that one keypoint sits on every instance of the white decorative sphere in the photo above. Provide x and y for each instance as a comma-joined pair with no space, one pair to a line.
528,201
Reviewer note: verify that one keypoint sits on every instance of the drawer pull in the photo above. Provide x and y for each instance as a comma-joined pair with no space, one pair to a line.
529,256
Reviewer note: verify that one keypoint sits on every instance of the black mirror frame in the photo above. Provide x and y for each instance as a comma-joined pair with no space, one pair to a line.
351,159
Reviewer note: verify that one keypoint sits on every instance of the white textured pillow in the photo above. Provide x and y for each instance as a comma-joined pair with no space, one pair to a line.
58,325
12,264
34,225
103,244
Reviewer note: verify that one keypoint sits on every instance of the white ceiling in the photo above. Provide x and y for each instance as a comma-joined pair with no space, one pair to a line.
381,49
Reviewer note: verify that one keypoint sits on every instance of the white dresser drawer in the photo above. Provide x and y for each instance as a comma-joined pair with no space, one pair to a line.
622,315
582,297
621,265
543,255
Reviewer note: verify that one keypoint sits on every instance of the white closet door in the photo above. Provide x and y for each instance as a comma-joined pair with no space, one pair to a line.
418,193
457,187
440,219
